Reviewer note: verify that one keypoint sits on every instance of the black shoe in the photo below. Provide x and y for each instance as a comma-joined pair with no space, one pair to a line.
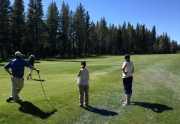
9,99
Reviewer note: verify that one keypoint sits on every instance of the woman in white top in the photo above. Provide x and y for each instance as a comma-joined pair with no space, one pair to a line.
127,69
83,82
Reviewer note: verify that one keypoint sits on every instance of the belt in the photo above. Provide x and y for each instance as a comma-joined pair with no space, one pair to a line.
17,76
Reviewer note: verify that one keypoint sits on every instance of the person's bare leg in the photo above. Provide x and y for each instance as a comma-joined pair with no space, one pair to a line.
128,98
30,75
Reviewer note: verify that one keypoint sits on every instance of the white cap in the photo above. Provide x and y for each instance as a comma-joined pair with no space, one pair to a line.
32,56
18,53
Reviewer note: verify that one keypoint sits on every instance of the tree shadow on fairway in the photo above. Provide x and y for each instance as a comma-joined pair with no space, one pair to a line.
29,108
101,111
153,106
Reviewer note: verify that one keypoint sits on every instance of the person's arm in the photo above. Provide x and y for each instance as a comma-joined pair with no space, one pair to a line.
7,70
123,68
133,70
88,76
34,68
79,73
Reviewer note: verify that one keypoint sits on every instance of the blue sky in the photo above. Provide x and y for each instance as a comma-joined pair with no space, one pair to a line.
164,14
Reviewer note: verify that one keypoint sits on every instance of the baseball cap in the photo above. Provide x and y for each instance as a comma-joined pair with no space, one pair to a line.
32,56
18,53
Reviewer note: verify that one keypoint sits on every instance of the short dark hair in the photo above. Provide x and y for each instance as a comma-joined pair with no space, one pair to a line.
127,57
83,63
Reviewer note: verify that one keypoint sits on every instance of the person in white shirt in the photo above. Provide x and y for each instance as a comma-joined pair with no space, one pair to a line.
127,70
83,83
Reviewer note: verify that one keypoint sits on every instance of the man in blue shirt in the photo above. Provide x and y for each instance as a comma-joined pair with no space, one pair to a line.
17,72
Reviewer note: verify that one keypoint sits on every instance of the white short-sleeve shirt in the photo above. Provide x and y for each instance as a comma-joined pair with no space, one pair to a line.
128,69
83,78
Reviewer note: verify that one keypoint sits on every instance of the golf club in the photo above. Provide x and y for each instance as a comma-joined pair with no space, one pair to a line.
47,99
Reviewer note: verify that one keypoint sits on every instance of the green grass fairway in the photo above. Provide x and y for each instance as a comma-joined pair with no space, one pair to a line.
155,99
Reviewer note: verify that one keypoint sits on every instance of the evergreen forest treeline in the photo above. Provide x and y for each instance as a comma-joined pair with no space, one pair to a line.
65,33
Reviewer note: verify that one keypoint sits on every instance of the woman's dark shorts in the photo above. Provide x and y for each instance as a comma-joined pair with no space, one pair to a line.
127,82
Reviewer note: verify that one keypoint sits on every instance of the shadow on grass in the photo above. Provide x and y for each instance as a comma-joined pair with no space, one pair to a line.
29,108
153,106
101,111
38,79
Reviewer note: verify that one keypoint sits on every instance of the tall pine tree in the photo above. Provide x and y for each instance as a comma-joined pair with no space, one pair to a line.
64,26
34,22
80,22
52,25
17,24
5,43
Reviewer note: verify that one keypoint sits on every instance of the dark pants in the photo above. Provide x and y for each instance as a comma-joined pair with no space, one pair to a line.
127,82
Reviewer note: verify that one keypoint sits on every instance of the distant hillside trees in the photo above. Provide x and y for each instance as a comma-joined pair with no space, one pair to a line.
65,33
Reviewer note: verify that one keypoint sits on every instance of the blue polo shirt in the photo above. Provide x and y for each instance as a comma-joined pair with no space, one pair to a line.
17,66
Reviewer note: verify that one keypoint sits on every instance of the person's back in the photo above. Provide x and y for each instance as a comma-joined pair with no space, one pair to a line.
84,77
129,67
17,66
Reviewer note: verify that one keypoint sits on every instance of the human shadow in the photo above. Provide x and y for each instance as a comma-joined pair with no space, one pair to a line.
29,108
38,79
101,111
153,106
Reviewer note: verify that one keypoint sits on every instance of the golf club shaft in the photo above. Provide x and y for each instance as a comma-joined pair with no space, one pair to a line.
45,93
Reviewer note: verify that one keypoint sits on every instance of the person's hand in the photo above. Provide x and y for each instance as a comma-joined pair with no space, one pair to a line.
125,72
